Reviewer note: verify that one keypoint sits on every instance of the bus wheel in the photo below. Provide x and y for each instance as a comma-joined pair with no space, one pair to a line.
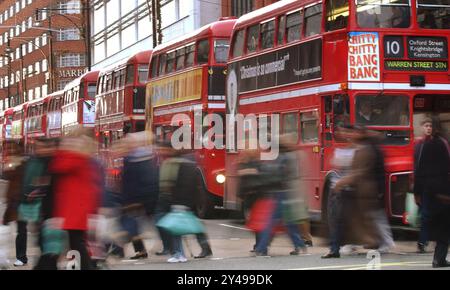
204,206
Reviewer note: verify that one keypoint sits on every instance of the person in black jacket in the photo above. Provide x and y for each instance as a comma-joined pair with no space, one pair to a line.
432,190
139,188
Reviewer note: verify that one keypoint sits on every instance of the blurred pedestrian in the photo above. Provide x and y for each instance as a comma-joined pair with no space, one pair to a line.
77,190
13,172
338,200
278,174
432,191
139,188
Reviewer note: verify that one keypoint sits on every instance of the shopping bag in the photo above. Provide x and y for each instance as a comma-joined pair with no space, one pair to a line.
260,214
54,239
295,211
180,223
412,215
30,211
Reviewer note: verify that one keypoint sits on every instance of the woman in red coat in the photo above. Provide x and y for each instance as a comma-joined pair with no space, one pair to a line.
77,190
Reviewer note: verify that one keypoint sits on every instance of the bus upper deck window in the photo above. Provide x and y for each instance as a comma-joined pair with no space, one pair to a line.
130,74
389,14
190,55
313,20
162,64
337,14
142,73
281,29
221,48
154,66
203,51
432,15
238,43
267,34
170,62
252,38
294,26
180,58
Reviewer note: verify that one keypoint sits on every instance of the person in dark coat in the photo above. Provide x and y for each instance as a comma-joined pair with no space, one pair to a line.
139,188
432,189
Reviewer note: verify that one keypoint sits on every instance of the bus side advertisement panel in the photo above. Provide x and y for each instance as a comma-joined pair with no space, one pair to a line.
178,88
298,63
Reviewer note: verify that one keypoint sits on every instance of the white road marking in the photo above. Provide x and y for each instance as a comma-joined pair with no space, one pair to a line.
234,227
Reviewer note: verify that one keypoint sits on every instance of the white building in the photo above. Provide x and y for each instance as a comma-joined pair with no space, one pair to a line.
121,28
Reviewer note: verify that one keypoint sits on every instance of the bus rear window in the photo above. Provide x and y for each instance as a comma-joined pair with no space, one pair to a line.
92,89
383,14
142,73
221,48
433,15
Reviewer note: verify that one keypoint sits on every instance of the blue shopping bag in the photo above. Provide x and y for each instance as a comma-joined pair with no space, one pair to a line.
180,223
412,214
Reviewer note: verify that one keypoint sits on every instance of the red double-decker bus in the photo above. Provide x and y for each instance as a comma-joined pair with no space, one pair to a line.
55,103
78,108
18,122
120,100
187,76
318,64
6,118
36,120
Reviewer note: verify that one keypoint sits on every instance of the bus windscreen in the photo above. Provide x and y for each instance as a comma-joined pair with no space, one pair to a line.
383,13
433,15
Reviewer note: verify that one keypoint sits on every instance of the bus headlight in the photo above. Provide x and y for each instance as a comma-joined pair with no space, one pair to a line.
220,178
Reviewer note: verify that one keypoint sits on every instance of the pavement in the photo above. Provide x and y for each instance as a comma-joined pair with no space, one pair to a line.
231,243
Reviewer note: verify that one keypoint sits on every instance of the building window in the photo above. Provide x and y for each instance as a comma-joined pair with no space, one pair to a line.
71,60
69,7
62,84
68,34
240,7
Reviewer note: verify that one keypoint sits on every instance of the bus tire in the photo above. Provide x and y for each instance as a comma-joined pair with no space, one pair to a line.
204,205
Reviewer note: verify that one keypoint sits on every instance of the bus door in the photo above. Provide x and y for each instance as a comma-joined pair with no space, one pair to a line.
336,110
435,106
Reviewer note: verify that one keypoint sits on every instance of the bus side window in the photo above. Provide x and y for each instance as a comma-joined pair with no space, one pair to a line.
252,38
294,23
290,126
203,51
238,43
337,14
267,34
313,20
154,66
310,127
281,29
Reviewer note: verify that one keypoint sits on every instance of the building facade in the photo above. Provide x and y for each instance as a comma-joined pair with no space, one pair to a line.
121,28
240,7
42,47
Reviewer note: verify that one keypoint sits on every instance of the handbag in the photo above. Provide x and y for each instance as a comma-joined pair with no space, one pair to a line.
261,214
180,223
30,211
